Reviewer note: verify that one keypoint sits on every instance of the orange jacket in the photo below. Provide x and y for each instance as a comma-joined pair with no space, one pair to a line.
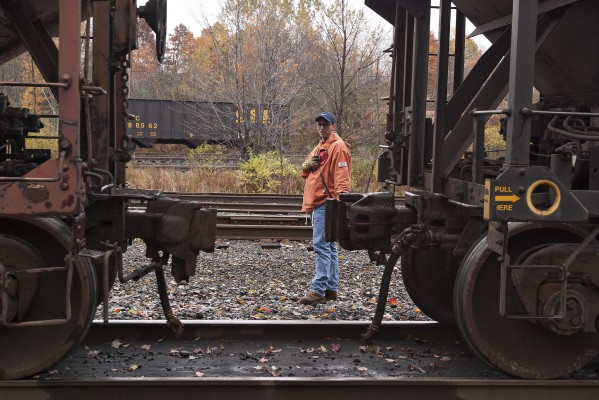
335,168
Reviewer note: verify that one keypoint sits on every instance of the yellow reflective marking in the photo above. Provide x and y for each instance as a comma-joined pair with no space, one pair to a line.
513,198
556,202
487,202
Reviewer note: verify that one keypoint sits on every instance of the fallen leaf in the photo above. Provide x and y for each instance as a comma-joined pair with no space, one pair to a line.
323,349
263,360
415,368
199,374
146,347
390,360
363,349
445,358
362,369
133,367
198,350
335,347
116,344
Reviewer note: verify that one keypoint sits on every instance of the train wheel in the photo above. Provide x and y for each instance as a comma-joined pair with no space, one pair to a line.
33,243
429,279
518,347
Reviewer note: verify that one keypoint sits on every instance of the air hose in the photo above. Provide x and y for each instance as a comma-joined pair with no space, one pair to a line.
406,237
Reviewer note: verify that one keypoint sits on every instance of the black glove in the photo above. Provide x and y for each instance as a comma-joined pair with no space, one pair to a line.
312,164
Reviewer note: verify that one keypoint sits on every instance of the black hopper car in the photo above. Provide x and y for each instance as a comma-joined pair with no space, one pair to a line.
193,123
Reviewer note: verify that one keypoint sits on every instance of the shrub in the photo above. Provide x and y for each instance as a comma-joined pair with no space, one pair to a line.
266,172
206,155
362,176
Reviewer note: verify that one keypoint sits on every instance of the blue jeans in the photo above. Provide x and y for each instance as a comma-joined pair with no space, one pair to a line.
327,257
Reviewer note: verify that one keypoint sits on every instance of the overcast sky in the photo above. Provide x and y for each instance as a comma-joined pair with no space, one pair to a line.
192,12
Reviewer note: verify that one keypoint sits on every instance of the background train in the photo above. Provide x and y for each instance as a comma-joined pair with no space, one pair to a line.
195,122
503,245
64,218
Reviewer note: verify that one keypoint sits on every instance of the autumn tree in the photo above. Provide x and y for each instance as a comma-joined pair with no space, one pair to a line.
349,70
145,69
253,65
180,49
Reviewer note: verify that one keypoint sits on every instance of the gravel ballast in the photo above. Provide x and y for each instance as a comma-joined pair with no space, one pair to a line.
242,280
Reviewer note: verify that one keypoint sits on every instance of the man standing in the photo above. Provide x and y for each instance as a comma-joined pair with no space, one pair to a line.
327,172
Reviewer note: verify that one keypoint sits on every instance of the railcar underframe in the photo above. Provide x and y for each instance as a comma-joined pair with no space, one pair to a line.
503,246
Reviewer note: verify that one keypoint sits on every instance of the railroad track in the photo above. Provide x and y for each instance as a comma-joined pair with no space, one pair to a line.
262,227
243,216
281,359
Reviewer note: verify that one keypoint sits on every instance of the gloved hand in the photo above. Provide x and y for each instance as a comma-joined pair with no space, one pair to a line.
312,164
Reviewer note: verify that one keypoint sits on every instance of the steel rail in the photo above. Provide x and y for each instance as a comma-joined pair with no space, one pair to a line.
296,388
263,232
229,374
254,198
287,220
256,208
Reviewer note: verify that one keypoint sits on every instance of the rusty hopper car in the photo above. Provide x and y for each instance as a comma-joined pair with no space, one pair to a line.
64,217
195,122
502,244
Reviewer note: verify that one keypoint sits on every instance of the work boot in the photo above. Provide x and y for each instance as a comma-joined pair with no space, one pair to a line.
312,298
330,294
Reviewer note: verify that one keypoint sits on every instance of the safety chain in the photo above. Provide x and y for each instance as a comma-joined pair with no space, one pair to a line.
127,142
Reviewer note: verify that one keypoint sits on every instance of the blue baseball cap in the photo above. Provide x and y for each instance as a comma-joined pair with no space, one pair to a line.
327,116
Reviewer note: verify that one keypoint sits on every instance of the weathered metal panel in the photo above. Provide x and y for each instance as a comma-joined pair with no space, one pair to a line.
567,54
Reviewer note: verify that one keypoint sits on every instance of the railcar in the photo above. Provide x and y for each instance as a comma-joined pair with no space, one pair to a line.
64,216
192,123
502,244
